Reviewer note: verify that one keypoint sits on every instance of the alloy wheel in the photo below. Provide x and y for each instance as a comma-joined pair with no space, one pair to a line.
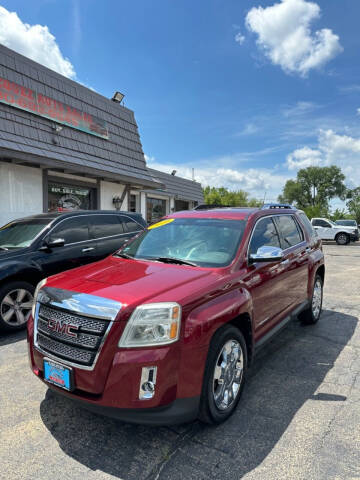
317,299
16,306
228,374
342,239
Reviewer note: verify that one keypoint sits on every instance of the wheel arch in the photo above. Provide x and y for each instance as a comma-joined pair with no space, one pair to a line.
243,323
342,233
321,271
31,277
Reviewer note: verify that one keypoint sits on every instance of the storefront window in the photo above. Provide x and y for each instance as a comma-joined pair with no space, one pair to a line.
132,203
181,205
155,209
62,198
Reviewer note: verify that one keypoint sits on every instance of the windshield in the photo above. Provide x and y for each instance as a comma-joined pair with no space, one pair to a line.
20,234
201,241
346,223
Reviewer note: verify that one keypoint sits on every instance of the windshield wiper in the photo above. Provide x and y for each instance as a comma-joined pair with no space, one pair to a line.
123,255
178,261
4,248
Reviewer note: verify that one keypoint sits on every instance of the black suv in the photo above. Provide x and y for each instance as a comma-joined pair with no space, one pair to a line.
36,247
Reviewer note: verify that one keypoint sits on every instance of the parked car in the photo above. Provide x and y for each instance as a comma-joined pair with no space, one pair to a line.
349,223
328,230
35,247
164,330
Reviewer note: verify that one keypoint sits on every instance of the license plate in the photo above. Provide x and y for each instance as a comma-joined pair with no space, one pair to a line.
58,375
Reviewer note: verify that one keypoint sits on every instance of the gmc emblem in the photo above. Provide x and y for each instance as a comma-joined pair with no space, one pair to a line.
63,327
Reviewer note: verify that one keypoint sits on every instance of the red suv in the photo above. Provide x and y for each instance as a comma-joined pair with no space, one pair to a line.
164,330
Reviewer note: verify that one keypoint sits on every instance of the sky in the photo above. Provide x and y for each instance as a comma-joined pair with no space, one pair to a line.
245,92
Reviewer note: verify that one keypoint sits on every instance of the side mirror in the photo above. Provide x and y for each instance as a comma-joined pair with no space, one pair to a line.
267,254
53,243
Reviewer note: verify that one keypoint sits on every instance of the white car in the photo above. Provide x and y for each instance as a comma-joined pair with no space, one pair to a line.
328,230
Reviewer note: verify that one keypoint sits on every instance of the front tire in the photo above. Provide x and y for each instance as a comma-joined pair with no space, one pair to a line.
224,376
311,315
16,300
342,239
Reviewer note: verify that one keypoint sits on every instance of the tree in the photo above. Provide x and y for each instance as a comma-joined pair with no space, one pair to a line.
223,196
338,214
353,203
314,187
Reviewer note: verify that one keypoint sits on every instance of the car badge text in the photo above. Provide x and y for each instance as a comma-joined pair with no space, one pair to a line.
63,327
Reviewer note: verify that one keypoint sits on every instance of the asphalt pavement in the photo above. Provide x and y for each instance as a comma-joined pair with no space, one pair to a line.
299,417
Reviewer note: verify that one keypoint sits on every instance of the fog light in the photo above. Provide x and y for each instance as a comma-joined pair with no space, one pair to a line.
147,383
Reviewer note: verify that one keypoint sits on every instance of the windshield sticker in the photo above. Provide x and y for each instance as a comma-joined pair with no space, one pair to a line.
160,224
6,226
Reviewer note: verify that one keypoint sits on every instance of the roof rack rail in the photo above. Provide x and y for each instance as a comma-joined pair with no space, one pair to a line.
277,205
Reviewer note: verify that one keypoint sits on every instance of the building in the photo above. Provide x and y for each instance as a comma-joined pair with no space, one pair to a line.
177,194
64,146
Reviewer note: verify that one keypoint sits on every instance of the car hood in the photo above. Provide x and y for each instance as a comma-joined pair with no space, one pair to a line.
132,282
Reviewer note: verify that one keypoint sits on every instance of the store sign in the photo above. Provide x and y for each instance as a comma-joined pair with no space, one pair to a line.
68,190
21,97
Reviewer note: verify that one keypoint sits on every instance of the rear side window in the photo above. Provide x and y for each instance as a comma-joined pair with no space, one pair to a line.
105,226
289,231
72,230
307,224
264,234
131,225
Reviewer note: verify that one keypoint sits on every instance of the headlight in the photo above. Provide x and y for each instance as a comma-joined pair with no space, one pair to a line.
152,324
39,286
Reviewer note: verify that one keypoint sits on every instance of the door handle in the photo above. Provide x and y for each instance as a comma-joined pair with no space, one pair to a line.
87,249
285,262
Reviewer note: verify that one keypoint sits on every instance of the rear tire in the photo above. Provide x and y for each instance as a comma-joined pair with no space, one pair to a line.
224,376
311,315
342,238
16,300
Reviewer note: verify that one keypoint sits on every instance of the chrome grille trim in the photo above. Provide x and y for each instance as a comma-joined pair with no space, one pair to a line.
83,339
64,350
75,307
97,326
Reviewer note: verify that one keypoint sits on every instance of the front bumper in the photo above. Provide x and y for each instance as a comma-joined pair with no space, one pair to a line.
354,237
112,389
182,410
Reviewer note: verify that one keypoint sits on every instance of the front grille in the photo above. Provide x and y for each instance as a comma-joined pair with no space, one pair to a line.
80,349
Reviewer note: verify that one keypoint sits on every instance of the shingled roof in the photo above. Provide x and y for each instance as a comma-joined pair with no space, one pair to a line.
30,138
181,188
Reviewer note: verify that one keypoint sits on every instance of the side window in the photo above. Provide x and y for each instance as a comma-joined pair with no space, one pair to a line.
264,233
72,230
321,223
289,231
307,224
131,225
325,224
105,226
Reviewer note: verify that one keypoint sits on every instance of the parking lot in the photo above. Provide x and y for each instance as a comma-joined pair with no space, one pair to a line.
298,419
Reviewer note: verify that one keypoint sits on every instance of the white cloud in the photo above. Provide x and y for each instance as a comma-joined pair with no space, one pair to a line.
239,38
300,108
358,111
33,41
284,34
303,158
149,159
249,129
254,181
332,149
349,89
